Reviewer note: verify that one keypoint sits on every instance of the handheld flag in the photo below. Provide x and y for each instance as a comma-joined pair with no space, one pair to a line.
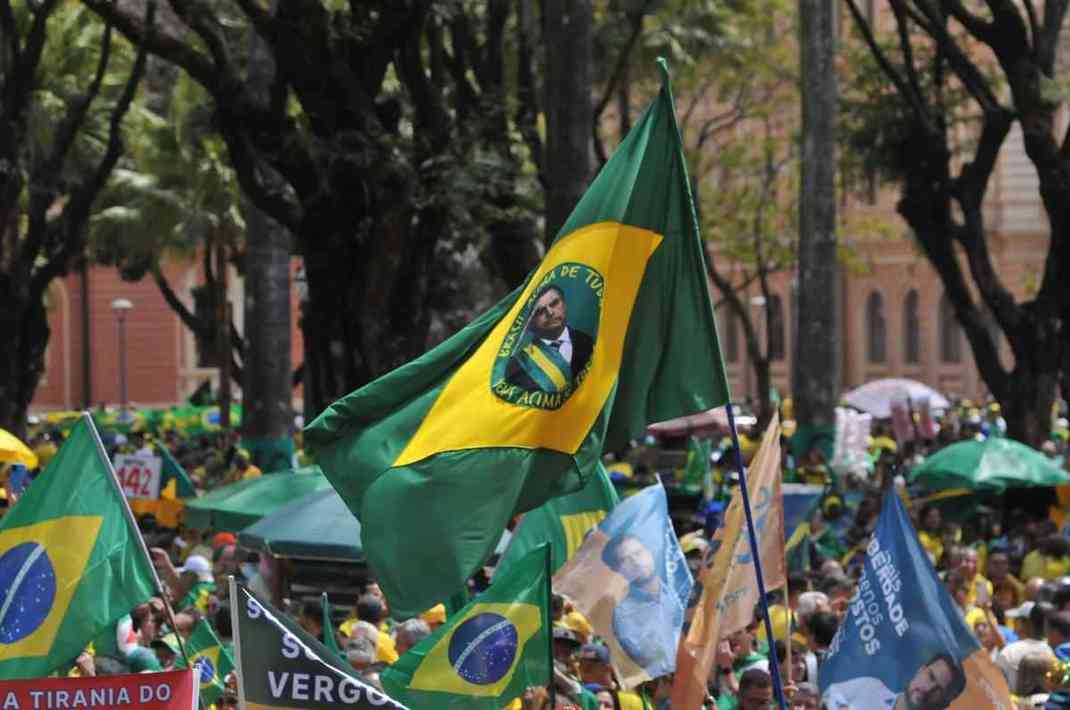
612,331
71,561
281,666
330,638
729,593
212,661
630,579
561,522
902,611
487,653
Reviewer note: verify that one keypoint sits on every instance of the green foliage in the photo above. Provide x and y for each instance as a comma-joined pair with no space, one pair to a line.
176,192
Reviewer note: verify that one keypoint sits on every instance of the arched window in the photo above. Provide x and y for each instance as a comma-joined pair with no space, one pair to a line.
876,330
950,332
730,336
911,329
777,340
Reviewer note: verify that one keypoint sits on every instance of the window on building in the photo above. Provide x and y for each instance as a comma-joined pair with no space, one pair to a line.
876,330
730,335
911,329
777,339
950,332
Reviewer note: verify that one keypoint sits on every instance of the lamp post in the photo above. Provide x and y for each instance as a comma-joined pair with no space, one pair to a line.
121,306
757,303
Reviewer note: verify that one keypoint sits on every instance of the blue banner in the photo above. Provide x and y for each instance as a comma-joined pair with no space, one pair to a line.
630,578
904,643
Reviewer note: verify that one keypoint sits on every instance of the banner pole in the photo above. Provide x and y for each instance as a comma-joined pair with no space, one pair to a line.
778,686
88,418
235,634
552,686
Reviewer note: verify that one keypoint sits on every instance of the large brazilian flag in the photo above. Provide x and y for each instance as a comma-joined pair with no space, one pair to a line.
487,653
612,331
70,562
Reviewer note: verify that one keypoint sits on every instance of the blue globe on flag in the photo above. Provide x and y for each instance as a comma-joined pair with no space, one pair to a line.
483,648
205,669
27,590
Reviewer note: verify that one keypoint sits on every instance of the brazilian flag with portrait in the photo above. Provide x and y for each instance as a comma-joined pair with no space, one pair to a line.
70,561
612,331
487,653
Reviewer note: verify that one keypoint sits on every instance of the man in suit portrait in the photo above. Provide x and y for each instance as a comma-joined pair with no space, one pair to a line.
552,353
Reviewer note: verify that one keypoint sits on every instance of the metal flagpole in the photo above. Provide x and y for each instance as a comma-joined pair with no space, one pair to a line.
88,418
552,687
236,636
778,686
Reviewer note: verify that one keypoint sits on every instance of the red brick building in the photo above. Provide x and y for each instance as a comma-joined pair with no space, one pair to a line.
162,365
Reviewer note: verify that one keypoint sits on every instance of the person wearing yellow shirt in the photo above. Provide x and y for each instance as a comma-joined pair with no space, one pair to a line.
244,468
978,588
930,532
1049,561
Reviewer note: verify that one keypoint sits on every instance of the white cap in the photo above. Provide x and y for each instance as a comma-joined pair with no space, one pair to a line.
1021,612
199,566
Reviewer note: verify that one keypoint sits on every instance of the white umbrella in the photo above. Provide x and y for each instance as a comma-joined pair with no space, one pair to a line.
876,397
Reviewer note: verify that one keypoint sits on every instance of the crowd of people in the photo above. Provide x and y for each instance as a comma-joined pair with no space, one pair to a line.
1006,567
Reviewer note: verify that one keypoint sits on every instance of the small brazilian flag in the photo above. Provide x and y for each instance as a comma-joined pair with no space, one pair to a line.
70,561
212,661
487,653
612,331
562,522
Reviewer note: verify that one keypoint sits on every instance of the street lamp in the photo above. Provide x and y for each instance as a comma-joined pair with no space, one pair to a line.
121,306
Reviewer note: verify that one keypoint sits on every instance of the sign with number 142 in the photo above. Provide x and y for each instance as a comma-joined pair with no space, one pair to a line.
139,475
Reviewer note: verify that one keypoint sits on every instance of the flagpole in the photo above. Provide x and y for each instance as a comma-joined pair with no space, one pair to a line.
88,418
236,635
551,686
778,686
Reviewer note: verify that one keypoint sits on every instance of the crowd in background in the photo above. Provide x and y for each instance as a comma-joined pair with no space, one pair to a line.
1005,562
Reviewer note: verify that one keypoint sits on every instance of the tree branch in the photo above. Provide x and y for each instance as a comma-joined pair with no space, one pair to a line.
963,66
200,328
161,44
1046,44
975,25
70,231
45,175
916,102
1034,25
527,109
9,34
30,58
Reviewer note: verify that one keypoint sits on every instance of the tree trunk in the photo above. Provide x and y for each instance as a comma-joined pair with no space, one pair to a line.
22,359
764,378
818,340
267,410
568,108
223,335
267,390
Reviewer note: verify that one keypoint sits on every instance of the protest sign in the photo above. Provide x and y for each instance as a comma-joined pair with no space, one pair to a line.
139,475
174,690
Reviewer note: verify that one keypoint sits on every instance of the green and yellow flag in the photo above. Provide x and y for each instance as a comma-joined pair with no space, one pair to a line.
562,523
212,660
612,331
487,653
70,562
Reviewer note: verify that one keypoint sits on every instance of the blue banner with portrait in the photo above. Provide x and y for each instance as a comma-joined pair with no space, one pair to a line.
904,643
630,578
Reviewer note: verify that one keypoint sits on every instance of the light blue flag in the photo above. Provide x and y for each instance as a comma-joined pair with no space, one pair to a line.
630,579
904,643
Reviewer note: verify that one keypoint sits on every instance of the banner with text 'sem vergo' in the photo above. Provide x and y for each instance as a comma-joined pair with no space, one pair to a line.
903,643
612,331
71,562
280,666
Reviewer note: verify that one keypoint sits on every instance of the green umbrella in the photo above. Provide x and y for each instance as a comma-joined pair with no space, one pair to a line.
239,505
319,526
994,464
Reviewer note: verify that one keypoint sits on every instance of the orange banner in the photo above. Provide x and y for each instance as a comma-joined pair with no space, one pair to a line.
729,586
